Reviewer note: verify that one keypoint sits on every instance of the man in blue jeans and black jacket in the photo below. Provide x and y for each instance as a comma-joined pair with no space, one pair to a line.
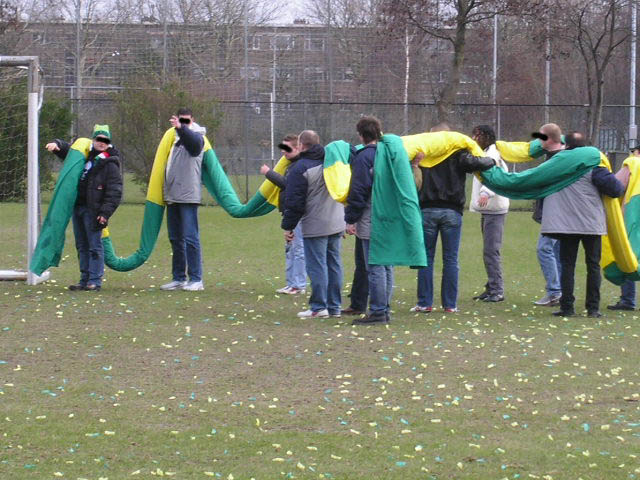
442,200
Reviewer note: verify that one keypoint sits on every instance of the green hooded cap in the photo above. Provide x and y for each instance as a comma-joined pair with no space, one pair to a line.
101,130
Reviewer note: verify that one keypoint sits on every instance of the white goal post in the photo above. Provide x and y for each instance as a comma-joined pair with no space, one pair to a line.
33,177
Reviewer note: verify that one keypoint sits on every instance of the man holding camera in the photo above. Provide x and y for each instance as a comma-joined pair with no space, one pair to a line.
182,192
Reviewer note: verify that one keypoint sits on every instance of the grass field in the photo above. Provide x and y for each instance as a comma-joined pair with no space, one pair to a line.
133,382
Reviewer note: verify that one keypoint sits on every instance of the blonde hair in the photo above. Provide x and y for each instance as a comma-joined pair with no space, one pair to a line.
552,131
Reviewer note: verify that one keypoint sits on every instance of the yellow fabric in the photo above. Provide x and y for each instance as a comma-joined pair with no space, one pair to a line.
270,191
633,164
83,145
437,146
514,152
337,177
615,245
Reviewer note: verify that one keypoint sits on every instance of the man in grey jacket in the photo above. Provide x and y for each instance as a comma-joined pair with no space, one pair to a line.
308,202
182,192
576,214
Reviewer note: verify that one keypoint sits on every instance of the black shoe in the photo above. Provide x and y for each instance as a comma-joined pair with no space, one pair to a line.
493,298
564,313
92,287
76,286
351,311
371,319
620,306
594,314
482,296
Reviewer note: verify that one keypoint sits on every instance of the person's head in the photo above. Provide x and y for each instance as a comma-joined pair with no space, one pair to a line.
289,146
307,139
441,127
185,116
575,140
635,150
484,136
101,137
554,136
369,129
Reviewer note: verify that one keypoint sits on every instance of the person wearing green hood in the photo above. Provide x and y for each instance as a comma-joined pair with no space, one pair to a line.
99,194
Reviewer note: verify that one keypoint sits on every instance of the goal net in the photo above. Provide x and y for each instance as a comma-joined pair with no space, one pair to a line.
19,179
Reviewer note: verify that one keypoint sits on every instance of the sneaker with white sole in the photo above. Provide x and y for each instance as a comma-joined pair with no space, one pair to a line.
174,285
194,286
418,308
283,289
296,291
311,314
548,300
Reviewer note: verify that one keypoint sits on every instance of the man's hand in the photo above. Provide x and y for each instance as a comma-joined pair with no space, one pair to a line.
483,200
288,235
417,159
264,169
102,220
175,122
52,147
350,229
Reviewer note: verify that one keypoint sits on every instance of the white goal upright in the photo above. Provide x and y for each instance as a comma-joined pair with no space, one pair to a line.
31,64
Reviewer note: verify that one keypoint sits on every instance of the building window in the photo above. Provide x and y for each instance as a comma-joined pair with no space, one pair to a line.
314,44
314,74
281,42
252,73
254,42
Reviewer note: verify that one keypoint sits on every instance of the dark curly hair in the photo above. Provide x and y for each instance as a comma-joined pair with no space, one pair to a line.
486,133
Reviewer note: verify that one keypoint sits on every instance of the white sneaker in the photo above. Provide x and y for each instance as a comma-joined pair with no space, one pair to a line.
283,289
311,314
174,285
295,291
194,286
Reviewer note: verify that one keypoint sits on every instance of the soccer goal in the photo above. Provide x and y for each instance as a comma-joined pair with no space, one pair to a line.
19,171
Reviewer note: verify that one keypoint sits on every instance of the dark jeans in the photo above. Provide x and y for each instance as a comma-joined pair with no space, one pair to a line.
592,245
360,286
447,223
184,235
89,245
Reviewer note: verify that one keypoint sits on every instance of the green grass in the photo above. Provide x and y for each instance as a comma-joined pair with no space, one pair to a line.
133,382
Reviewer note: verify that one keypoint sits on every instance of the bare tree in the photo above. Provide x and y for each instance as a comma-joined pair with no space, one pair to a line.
596,29
450,21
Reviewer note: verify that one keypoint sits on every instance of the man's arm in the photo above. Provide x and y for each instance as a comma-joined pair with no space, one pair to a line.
295,199
59,148
275,178
470,164
192,141
607,183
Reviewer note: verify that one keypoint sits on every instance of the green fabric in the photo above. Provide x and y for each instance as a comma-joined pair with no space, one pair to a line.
101,130
151,223
632,225
535,147
558,172
396,220
338,151
50,244
220,188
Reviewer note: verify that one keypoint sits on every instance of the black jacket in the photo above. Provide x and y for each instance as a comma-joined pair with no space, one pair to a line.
102,187
359,197
443,185
281,181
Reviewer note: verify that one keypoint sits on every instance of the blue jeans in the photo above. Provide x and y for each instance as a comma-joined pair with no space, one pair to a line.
548,251
89,245
448,223
295,271
380,284
324,267
628,293
182,224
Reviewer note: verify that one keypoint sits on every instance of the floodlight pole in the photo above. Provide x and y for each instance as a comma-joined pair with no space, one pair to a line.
633,128
33,190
